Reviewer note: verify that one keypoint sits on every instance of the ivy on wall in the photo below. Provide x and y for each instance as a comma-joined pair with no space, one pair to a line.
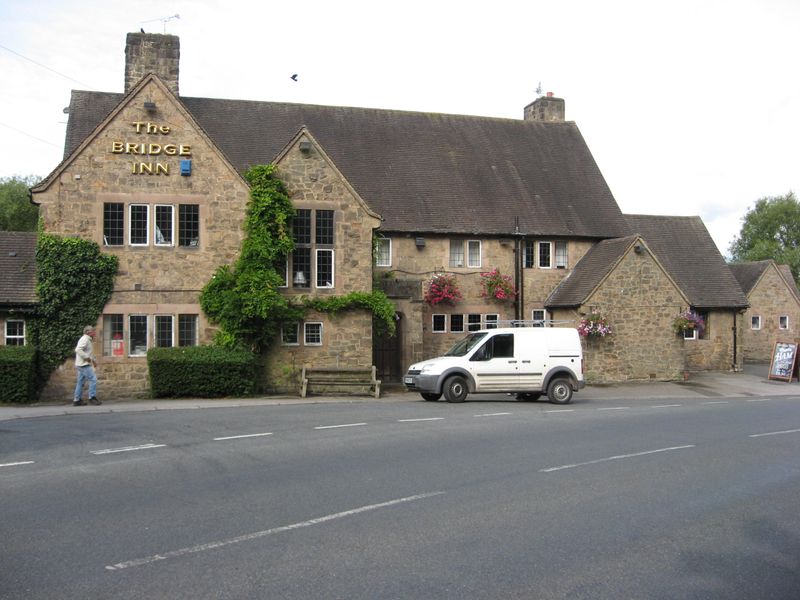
74,281
245,299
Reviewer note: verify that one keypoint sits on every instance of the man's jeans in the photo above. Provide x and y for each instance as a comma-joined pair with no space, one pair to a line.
86,373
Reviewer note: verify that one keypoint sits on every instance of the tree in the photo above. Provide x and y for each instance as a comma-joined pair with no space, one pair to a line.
771,229
17,212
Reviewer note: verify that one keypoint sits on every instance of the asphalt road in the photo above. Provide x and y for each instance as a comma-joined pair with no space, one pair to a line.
603,500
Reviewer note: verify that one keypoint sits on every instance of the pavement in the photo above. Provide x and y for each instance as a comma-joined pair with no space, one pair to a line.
752,382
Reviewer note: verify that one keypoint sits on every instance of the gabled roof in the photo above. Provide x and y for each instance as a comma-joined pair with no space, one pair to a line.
688,253
73,146
748,274
590,271
18,266
422,172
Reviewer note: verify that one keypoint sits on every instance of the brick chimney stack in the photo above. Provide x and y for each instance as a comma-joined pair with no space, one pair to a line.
546,108
152,53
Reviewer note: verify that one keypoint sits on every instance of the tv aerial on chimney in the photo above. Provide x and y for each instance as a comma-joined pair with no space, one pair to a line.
163,20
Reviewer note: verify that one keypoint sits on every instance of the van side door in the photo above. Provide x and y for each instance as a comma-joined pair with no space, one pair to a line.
494,366
532,352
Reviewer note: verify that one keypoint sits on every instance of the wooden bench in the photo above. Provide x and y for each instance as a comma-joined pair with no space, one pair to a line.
357,381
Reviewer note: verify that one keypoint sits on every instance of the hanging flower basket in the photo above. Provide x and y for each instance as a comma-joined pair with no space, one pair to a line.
497,286
688,321
442,289
594,326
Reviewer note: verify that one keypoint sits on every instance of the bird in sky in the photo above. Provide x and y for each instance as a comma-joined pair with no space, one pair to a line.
294,77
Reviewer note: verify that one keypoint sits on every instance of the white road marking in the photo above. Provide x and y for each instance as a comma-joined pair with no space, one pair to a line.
259,534
238,437
129,449
600,460
755,435
492,415
759,399
665,405
415,420
337,426
15,464
615,408
716,402
561,410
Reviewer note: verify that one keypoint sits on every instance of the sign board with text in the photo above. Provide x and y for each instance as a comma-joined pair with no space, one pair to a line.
784,361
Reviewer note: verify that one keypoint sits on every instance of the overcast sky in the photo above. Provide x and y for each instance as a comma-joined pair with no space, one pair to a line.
689,107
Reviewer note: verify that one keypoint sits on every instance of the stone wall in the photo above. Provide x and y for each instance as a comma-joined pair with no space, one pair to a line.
769,299
714,351
640,302
151,279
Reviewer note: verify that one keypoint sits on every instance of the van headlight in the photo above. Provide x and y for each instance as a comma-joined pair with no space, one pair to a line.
426,368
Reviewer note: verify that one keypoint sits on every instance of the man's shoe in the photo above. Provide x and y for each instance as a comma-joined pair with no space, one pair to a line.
78,403
95,401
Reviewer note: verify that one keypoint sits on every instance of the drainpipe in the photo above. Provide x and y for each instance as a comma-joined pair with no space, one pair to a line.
735,354
519,283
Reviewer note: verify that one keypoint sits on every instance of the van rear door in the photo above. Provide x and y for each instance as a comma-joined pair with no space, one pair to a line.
494,366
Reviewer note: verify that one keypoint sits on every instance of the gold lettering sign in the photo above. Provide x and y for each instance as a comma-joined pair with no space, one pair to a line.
150,149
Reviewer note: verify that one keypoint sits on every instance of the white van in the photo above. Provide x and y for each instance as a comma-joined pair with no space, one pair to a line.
528,361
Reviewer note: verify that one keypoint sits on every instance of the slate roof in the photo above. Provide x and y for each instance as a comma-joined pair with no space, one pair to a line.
18,268
688,253
589,272
684,248
422,172
748,274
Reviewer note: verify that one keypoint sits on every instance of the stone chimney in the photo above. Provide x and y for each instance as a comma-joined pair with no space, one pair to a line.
152,53
546,108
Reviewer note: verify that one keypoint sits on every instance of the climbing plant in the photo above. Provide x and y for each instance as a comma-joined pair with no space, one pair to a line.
74,281
245,299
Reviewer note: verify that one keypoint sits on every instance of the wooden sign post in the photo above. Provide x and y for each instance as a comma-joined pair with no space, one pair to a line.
784,361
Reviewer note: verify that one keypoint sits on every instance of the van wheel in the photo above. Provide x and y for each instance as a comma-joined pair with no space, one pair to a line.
529,396
430,397
559,391
455,389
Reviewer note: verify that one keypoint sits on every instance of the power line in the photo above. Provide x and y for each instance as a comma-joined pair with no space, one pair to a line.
87,86
29,135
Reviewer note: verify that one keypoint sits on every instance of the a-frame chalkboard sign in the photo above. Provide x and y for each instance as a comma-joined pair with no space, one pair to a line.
784,361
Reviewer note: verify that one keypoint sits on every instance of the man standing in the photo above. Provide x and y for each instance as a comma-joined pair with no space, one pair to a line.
85,363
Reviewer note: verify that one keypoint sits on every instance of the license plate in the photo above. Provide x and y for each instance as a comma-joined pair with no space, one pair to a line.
408,380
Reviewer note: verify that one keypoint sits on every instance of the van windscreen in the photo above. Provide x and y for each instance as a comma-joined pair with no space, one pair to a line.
466,344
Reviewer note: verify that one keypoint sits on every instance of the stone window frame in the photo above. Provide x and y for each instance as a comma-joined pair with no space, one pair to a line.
188,225
113,324
314,232
194,321
319,274
540,320
383,252
159,239
540,256
162,324
561,254
113,224
131,347
289,338
146,236
755,322
461,254
308,327
783,322
13,338
441,318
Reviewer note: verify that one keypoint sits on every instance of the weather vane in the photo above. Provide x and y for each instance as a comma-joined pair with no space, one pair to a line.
163,20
